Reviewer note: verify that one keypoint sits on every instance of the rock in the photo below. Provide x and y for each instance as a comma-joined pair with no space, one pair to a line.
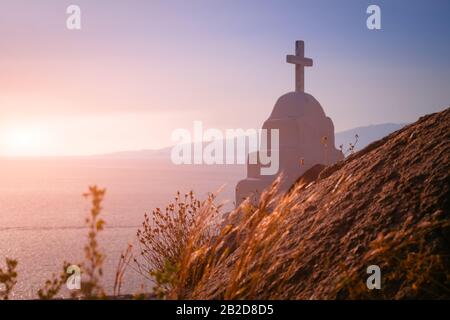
387,204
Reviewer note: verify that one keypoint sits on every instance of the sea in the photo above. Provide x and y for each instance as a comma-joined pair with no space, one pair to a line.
42,210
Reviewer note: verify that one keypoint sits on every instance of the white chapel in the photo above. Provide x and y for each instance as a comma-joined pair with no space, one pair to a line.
306,136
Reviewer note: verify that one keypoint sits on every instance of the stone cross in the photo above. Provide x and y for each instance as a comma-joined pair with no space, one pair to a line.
300,63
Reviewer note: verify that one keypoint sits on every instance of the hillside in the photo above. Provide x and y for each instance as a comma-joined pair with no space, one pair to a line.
385,205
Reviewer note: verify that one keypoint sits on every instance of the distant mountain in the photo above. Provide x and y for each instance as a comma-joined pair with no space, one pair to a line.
366,135
144,154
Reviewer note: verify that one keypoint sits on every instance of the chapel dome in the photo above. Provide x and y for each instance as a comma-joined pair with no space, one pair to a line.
295,105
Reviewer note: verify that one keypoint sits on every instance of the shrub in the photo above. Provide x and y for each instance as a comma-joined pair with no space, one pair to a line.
165,238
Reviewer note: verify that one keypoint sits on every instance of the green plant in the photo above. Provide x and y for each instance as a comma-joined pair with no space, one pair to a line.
92,266
53,286
8,278
165,279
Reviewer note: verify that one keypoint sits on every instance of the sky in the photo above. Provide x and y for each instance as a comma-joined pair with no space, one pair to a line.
138,70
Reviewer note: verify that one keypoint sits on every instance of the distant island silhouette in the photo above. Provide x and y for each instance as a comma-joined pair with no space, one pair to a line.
366,135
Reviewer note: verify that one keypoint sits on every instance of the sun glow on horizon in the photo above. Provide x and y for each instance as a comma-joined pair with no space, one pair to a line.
20,141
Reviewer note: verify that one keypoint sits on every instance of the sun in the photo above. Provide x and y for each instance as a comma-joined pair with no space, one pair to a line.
20,141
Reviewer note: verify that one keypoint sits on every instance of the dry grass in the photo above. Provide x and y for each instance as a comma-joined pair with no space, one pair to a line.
184,247
256,234
124,261
410,267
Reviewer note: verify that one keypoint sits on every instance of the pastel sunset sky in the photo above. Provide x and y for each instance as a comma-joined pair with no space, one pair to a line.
140,69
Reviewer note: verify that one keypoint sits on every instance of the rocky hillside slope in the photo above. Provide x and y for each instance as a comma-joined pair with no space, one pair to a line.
387,205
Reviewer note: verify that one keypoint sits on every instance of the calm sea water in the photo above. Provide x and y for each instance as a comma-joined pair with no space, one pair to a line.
42,210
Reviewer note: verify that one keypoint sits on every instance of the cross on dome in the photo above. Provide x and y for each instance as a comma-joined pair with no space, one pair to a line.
300,63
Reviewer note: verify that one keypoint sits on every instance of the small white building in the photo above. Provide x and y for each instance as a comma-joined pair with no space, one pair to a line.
306,136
